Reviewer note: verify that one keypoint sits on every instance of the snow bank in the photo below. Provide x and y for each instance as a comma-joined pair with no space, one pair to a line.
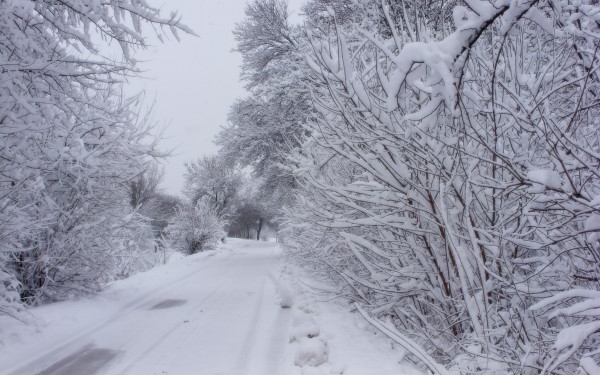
284,294
312,352
305,330
326,338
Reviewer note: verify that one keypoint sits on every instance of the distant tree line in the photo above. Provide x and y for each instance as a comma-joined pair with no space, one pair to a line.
224,192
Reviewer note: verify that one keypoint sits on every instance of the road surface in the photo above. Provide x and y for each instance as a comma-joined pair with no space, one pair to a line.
219,315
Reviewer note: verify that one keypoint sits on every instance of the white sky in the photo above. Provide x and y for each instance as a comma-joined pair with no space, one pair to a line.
193,81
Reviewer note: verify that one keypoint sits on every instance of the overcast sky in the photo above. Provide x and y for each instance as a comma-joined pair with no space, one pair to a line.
194,81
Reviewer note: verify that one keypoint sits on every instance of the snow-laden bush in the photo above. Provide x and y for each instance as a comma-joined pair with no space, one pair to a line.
138,249
70,143
100,241
9,295
196,228
450,178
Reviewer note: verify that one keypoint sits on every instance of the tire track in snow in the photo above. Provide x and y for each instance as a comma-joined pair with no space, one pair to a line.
250,339
279,341
153,345
264,351
74,344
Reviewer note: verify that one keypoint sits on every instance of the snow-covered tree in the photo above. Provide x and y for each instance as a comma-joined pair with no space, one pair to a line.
196,228
450,184
446,171
150,202
263,128
145,186
254,209
69,143
212,178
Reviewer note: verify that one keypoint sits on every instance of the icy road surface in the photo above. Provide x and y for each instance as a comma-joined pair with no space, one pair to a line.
214,313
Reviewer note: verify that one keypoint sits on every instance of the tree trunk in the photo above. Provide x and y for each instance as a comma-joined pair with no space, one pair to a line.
258,229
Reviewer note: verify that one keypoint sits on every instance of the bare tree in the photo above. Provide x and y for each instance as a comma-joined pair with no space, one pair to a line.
145,187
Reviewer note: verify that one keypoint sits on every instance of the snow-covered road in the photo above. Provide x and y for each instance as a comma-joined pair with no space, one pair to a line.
214,313
220,316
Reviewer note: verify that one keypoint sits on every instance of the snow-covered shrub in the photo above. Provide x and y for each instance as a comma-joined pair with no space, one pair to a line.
10,302
70,143
99,241
138,247
196,228
450,179
212,179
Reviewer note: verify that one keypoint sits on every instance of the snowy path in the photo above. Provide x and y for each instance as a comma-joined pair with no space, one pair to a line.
215,313
220,317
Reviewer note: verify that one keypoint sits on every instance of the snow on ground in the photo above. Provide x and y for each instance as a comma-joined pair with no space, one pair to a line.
327,329
233,311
